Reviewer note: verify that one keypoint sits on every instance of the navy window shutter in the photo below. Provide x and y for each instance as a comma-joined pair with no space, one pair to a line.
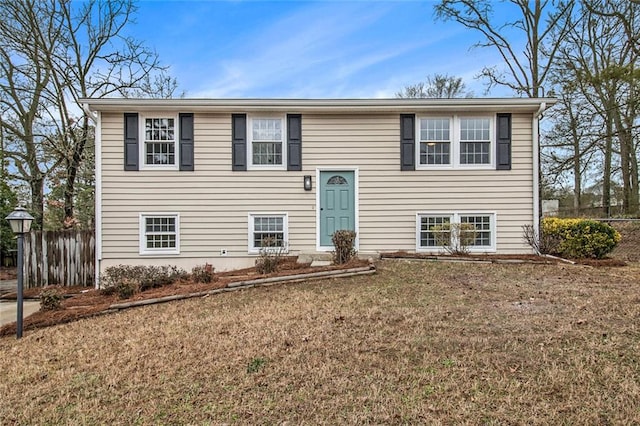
407,142
131,133
503,142
239,142
186,142
294,142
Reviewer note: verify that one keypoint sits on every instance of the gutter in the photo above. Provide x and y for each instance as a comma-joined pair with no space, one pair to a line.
535,124
87,110
98,196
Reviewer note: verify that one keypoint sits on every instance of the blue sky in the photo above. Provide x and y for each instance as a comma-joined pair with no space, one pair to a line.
301,49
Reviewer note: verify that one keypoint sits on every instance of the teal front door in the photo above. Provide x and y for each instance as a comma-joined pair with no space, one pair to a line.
337,204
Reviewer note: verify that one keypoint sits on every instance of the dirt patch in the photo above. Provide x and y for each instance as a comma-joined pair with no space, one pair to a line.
81,302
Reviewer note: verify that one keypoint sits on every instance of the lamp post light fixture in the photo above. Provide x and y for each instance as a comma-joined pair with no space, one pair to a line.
20,221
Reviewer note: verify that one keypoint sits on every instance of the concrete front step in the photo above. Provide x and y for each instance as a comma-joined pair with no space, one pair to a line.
311,257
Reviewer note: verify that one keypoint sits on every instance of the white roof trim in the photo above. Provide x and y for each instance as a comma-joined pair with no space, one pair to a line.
318,105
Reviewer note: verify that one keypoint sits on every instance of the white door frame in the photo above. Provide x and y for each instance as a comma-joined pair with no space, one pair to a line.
356,197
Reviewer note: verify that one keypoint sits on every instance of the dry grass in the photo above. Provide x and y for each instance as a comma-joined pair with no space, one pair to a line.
421,342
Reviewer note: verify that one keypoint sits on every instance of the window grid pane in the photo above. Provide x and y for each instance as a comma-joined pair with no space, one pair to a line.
268,231
427,233
474,129
159,129
267,153
435,152
474,152
160,232
160,152
482,225
267,129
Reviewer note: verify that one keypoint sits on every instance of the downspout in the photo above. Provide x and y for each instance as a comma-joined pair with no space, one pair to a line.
97,121
535,124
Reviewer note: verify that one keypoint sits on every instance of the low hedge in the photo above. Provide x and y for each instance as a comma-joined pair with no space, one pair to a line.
580,238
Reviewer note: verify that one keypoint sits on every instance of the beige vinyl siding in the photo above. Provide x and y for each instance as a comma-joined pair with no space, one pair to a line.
214,202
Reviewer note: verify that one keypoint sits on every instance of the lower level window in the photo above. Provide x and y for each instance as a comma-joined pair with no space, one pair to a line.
482,225
267,231
434,229
159,234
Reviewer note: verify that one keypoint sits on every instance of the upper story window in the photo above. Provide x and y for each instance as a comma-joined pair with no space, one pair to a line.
267,142
475,141
435,141
159,145
457,141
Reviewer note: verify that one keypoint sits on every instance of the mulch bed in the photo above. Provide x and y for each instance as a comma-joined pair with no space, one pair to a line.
83,302
502,258
7,273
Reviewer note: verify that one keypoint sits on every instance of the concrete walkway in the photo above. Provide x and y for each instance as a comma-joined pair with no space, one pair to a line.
9,308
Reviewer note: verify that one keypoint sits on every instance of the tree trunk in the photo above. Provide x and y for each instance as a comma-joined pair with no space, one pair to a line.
36,185
606,169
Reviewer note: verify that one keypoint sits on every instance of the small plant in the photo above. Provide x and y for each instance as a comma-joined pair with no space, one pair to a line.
51,299
270,255
126,288
455,238
203,274
540,242
344,246
255,365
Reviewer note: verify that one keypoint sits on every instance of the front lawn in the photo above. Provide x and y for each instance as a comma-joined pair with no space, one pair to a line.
417,343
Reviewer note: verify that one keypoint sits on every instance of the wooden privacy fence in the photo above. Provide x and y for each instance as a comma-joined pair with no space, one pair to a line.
64,258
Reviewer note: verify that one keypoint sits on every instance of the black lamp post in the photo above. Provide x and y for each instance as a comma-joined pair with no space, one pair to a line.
20,221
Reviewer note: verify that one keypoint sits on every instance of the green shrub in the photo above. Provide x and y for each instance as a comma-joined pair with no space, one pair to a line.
581,238
344,246
203,274
51,299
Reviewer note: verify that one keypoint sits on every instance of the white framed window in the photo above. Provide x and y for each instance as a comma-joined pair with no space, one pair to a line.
456,141
159,233
435,141
267,142
159,136
431,229
430,224
483,226
475,140
268,230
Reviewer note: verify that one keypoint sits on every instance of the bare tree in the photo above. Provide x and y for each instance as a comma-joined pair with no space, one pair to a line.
78,51
597,64
436,86
543,24
24,79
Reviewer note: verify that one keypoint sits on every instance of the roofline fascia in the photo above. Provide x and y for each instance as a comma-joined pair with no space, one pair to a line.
317,105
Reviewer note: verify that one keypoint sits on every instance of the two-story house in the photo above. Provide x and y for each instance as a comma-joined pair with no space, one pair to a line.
191,181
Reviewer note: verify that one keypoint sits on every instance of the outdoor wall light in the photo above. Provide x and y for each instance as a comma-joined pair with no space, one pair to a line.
20,221
307,183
